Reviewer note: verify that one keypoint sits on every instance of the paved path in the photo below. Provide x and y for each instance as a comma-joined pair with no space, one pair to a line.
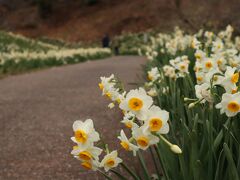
37,111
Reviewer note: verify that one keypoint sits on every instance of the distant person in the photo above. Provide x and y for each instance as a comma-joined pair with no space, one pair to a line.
105,41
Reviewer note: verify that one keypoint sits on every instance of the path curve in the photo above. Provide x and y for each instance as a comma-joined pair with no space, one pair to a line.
37,111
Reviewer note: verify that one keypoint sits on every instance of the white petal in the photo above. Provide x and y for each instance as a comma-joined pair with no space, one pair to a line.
114,154
74,139
77,124
218,106
94,136
89,124
164,129
142,115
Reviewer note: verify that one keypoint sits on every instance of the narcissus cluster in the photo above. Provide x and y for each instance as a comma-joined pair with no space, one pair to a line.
191,99
146,122
216,64
196,79
85,136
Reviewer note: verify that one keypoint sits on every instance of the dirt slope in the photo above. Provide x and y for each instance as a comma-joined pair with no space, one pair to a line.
73,21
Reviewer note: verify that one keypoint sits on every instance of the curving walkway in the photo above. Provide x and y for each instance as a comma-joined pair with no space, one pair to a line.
37,111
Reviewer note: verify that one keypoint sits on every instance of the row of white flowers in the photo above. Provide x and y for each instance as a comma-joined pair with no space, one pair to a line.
56,54
31,41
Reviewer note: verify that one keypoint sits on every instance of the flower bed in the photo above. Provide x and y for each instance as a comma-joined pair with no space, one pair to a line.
19,54
188,112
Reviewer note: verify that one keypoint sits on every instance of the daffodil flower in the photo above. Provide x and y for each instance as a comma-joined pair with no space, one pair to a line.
203,92
231,77
169,71
152,92
199,55
143,138
90,165
208,64
137,101
156,121
106,83
110,161
86,152
153,74
230,104
126,144
84,132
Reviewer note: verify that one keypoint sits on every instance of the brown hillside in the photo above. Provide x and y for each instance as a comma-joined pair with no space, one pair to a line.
73,21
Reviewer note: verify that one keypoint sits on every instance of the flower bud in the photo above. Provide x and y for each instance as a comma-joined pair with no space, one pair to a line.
174,148
191,105
152,92
111,105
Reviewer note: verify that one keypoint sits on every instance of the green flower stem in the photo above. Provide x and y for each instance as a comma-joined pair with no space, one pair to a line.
106,148
165,140
183,166
155,163
161,162
231,162
219,137
143,165
130,171
210,140
118,174
104,174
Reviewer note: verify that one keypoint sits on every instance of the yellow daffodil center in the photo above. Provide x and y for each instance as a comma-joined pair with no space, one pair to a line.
75,147
100,86
198,56
193,44
155,124
215,78
118,101
81,136
197,69
135,104
234,64
235,78
233,106
142,141
150,77
208,65
219,62
110,162
86,165
234,91
85,155
128,125
125,145
109,95
199,78
182,67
